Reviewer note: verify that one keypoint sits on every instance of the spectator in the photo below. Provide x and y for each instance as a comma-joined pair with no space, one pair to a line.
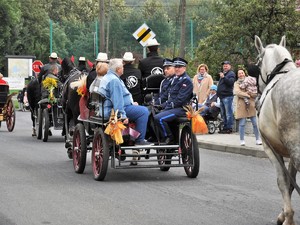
211,106
241,113
249,86
202,82
20,100
113,88
225,93
180,93
132,78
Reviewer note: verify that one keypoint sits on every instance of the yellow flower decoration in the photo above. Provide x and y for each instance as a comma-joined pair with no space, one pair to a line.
50,83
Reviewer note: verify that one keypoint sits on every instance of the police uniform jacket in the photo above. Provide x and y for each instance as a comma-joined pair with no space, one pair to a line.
180,93
132,79
164,89
153,64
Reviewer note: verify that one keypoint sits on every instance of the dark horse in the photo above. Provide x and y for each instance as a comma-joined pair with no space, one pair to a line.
33,96
70,99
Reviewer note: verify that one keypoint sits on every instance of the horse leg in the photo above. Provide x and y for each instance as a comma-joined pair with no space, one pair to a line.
33,123
286,216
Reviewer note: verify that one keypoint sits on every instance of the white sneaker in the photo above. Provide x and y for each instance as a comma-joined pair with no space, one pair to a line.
242,143
258,142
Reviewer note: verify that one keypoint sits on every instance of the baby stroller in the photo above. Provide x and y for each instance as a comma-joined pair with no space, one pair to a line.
213,119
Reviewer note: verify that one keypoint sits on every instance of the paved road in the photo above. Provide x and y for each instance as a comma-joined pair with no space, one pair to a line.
38,186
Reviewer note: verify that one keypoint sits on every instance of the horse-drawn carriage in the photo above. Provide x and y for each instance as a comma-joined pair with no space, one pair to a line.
184,153
49,114
7,109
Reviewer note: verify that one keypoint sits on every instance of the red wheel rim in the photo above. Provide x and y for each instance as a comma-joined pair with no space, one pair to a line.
76,150
97,155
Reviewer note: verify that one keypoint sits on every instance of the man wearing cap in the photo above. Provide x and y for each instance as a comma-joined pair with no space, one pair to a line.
101,57
179,95
44,70
82,65
132,78
169,71
225,93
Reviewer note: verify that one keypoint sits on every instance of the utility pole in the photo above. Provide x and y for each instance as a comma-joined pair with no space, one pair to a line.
107,29
101,18
182,35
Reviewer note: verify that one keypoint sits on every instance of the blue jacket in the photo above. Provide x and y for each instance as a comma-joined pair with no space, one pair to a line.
180,92
114,89
225,86
164,89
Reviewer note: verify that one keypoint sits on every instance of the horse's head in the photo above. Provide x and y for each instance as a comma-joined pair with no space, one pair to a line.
66,66
271,60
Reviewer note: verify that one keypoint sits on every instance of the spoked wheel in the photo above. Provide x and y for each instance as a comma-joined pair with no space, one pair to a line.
100,155
190,152
163,159
40,123
46,123
79,148
10,116
211,127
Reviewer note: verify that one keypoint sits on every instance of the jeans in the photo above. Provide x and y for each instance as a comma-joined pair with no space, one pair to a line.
242,123
227,112
139,114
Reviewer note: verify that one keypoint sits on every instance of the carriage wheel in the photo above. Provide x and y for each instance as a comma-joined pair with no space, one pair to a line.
10,116
163,159
40,123
190,151
79,148
100,155
46,123
211,127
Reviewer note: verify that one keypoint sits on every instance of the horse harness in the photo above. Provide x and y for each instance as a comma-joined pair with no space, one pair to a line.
275,71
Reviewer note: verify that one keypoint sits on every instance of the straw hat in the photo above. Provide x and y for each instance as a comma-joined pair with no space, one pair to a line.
102,57
152,42
128,56
53,55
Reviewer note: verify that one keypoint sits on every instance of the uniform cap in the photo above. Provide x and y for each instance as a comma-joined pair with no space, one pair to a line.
167,62
179,62
102,57
53,55
152,42
128,56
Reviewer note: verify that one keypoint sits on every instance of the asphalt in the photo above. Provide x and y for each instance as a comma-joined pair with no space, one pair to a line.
231,143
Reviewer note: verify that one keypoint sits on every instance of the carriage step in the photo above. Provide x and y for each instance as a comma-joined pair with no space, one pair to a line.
150,147
151,154
151,166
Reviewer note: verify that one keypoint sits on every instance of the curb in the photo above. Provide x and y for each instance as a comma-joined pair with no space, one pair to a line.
242,150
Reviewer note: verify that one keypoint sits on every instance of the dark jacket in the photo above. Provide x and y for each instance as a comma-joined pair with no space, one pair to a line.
153,64
225,86
44,70
132,79
180,93
90,78
164,89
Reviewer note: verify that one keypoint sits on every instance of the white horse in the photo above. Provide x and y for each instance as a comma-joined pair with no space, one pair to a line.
279,118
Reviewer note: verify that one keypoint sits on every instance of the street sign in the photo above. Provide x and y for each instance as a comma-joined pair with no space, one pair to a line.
143,34
36,66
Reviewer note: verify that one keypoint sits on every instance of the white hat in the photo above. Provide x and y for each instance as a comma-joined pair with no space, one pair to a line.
102,57
152,42
53,55
128,57
81,59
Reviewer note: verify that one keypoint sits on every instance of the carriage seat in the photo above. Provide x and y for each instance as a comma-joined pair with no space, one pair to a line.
4,91
151,86
96,107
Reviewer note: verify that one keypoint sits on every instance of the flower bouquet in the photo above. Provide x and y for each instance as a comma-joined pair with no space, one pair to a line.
49,84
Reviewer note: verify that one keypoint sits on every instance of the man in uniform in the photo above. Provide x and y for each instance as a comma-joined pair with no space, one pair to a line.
132,78
180,93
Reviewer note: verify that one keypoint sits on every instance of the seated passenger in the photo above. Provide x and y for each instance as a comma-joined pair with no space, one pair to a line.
212,104
46,88
169,71
113,88
2,82
180,93
101,70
